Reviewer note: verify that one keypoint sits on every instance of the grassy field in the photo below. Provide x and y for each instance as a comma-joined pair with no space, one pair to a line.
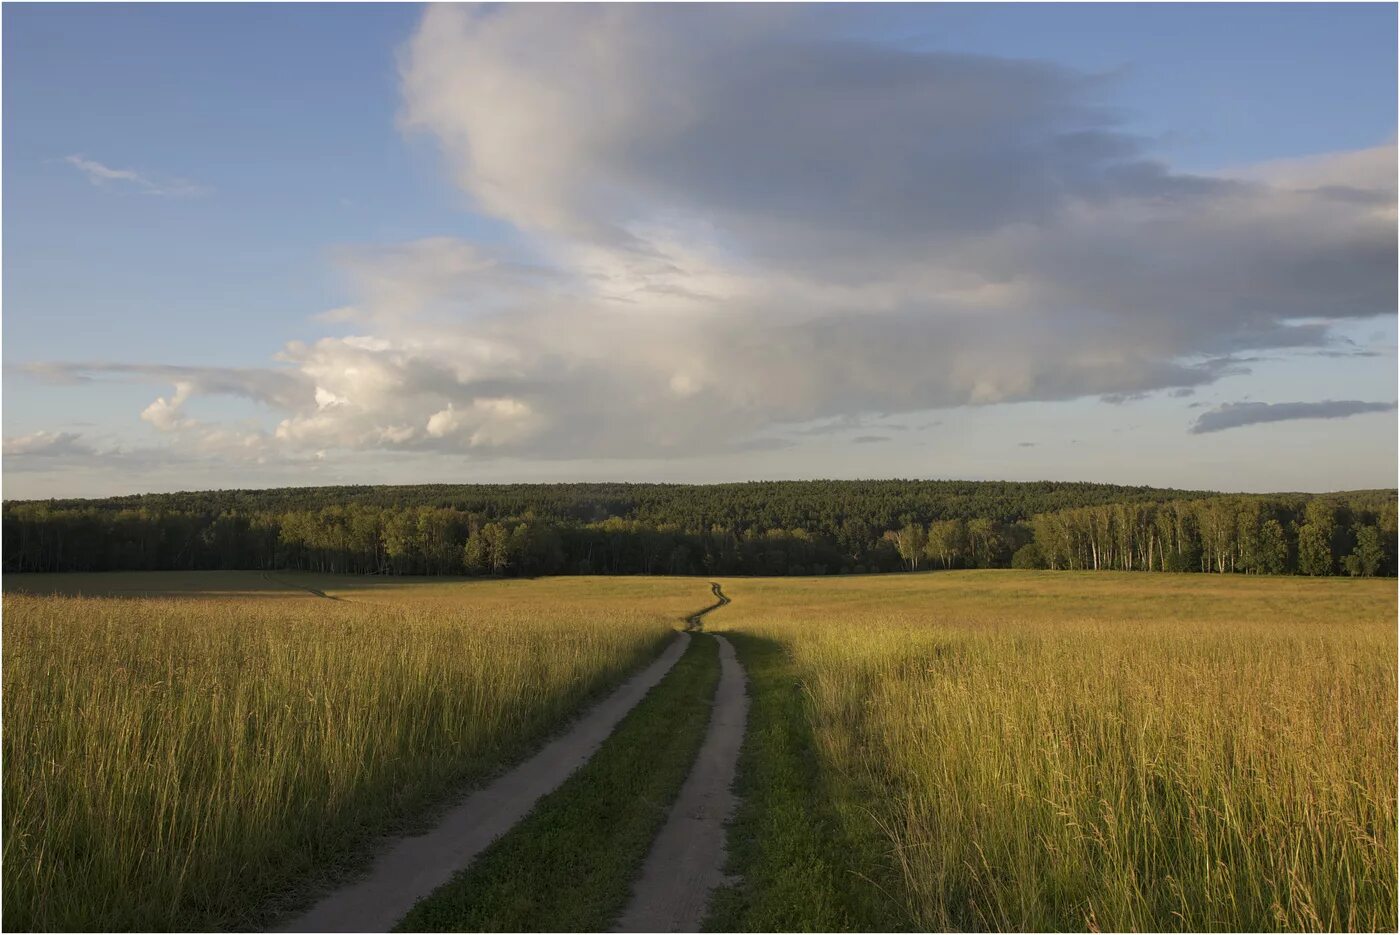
961,750
1060,751
185,751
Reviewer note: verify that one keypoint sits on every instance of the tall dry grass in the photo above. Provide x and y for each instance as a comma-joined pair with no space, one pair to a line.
1125,752
176,762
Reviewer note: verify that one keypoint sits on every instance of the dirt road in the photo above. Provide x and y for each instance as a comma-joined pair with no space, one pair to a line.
682,869
687,858
415,866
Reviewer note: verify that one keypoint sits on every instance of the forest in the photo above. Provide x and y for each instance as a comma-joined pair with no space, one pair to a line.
761,528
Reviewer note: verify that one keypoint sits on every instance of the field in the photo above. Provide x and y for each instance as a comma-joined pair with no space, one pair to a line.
1047,751
957,750
186,754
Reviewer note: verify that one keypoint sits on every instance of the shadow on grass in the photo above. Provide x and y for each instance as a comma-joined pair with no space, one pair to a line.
805,857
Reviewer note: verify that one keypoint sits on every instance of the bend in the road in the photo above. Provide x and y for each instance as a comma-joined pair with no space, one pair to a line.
696,621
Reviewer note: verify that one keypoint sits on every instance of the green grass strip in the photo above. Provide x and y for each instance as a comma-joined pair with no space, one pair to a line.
807,857
569,866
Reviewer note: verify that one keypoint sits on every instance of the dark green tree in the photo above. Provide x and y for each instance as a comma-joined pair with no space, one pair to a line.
1273,548
1314,549
1028,556
1365,560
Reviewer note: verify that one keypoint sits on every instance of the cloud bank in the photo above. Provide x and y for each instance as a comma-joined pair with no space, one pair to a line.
1237,415
730,221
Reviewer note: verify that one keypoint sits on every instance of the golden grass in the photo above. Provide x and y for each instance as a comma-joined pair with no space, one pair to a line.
1049,751
176,762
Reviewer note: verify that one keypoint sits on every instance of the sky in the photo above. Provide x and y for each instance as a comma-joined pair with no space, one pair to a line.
268,245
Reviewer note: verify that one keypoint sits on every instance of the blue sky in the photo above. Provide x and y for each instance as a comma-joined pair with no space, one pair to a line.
461,192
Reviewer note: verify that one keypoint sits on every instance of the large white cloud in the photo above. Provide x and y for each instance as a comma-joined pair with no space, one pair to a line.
730,221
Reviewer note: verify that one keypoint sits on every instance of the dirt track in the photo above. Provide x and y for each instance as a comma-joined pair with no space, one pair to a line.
415,866
696,620
687,858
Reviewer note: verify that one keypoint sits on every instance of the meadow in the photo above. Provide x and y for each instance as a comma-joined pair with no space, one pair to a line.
1005,750
198,751
1057,751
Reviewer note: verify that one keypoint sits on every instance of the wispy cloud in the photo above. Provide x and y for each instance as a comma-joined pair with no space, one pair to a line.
100,174
282,389
1236,415
845,423
45,445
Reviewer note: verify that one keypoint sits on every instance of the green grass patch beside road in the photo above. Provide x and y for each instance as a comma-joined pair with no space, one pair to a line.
805,861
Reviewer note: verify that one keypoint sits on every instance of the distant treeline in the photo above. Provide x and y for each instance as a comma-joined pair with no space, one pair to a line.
781,528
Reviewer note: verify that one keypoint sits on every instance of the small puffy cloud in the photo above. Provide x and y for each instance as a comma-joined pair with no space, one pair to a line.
100,174
165,412
488,423
325,398
443,423
1236,415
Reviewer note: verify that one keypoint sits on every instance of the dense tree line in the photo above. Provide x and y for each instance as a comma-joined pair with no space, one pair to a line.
787,528
1346,534
1352,534
817,506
